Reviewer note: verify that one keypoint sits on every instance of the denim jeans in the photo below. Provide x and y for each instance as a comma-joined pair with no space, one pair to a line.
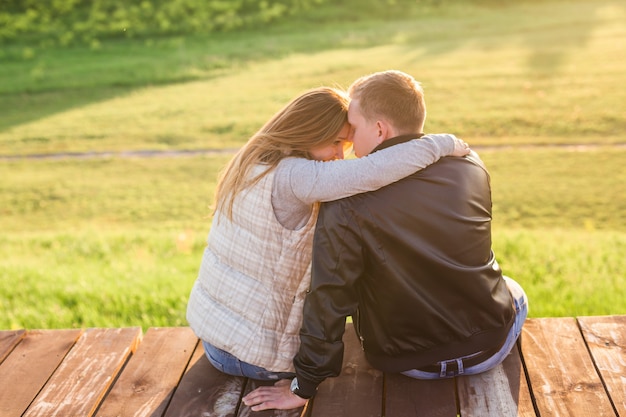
229,364
521,311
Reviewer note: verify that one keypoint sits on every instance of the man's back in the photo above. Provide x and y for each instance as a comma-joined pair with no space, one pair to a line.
411,262
418,255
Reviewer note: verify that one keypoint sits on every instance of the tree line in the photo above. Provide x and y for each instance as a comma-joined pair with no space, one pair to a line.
68,22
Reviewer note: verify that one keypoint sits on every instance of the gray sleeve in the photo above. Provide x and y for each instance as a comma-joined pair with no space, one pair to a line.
314,181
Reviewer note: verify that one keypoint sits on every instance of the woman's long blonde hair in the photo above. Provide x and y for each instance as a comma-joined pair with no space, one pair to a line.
311,120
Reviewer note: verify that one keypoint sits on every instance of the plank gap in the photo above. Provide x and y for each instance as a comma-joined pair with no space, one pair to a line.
457,399
246,381
52,374
9,341
114,381
596,367
44,351
518,346
169,400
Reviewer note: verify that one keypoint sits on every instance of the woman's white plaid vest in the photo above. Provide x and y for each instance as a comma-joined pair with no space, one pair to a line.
252,282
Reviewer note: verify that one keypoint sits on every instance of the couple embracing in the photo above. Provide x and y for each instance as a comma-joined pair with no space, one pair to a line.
398,238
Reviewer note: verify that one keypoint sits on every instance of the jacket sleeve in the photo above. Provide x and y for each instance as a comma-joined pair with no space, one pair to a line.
336,267
316,181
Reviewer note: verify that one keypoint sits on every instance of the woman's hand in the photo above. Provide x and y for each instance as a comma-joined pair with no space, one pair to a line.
277,397
461,148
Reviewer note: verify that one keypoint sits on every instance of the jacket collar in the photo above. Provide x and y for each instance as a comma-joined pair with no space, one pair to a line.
396,140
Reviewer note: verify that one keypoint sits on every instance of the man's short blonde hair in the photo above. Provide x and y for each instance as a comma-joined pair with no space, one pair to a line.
393,96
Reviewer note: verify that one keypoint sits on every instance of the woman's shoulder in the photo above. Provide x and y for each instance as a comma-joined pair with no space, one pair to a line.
293,161
293,164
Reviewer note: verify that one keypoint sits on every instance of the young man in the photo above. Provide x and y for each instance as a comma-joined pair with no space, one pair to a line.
411,263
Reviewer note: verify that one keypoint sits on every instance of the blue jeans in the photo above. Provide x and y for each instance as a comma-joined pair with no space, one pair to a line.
229,364
521,311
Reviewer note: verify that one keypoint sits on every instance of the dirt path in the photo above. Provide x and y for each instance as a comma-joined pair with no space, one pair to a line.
224,151
122,154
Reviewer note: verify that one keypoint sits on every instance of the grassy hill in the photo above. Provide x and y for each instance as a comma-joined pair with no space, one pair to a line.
529,72
112,241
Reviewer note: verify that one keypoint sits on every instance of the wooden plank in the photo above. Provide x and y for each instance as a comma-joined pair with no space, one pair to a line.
205,391
501,391
357,391
151,375
8,340
562,376
86,374
31,363
245,411
606,339
408,397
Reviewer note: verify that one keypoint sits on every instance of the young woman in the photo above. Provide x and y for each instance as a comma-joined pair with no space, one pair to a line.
246,304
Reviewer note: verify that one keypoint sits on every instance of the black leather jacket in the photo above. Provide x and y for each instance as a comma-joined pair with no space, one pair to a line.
412,263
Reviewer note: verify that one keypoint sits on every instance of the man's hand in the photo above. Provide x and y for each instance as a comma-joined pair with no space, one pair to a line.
278,397
461,148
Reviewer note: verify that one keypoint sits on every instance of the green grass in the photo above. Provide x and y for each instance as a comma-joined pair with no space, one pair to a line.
566,272
521,73
94,278
98,278
117,241
532,189
547,189
114,242
108,194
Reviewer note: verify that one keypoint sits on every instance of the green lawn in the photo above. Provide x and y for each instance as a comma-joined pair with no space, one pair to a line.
117,241
529,72
98,278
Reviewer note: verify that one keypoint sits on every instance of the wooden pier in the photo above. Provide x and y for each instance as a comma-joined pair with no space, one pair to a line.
566,367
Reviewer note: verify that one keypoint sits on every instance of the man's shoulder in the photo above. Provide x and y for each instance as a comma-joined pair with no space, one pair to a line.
474,158
467,162
344,209
343,203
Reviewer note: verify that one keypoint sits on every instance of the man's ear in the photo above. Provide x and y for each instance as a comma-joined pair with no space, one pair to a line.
385,130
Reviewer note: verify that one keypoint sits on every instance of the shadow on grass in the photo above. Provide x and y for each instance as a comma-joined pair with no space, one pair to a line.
37,83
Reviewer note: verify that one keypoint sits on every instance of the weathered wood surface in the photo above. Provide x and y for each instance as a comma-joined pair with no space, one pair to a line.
606,339
152,374
81,381
502,391
8,340
27,369
411,397
563,377
565,367
204,391
357,391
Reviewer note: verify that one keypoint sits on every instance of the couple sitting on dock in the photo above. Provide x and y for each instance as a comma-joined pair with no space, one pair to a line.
401,242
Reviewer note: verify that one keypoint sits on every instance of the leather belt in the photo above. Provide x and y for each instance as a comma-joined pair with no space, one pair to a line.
452,365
